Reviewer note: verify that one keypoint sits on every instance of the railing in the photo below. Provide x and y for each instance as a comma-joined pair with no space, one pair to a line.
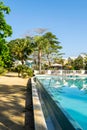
62,72
65,72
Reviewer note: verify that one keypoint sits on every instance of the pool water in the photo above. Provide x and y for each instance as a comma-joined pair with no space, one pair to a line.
71,93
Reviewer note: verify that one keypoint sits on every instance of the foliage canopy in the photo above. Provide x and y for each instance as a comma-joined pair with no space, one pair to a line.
5,29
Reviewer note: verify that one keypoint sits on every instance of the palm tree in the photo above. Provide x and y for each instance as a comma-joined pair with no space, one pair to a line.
20,48
39,42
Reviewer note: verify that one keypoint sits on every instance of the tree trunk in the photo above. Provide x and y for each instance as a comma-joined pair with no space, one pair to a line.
22,61
49,63
39,60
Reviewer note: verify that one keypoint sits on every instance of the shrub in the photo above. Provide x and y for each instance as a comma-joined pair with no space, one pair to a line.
2,70
24,71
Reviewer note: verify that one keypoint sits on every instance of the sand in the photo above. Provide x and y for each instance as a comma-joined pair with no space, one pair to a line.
12,102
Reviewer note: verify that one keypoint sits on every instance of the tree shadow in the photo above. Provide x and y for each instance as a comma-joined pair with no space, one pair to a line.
12,101
11,74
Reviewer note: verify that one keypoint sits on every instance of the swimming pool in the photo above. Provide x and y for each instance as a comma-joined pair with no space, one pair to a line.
71,93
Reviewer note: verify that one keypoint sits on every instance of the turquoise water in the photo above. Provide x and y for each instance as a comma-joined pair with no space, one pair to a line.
71,93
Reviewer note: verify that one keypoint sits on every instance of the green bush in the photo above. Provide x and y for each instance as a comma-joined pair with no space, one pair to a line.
2,70
1,61
24,71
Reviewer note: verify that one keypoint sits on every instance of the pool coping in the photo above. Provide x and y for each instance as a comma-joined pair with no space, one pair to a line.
39,119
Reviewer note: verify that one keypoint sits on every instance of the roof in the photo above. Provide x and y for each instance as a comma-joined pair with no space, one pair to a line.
55,64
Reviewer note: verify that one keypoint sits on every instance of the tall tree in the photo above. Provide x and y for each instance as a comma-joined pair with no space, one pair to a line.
85,62
47,43
52,47
5,29
78,63
39,41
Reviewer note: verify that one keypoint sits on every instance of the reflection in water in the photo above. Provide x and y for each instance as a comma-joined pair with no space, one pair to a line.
71,92
79,82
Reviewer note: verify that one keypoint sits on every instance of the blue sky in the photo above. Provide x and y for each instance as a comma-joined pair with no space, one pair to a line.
67,19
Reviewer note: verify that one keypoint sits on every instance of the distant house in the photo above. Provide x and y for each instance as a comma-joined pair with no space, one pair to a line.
27,62
56,66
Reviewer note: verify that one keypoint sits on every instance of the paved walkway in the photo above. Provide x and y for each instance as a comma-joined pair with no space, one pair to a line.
12,102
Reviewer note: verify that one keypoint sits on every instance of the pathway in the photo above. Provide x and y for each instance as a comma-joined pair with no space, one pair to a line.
12,102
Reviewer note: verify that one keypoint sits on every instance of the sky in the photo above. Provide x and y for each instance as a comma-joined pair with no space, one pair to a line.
67,19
